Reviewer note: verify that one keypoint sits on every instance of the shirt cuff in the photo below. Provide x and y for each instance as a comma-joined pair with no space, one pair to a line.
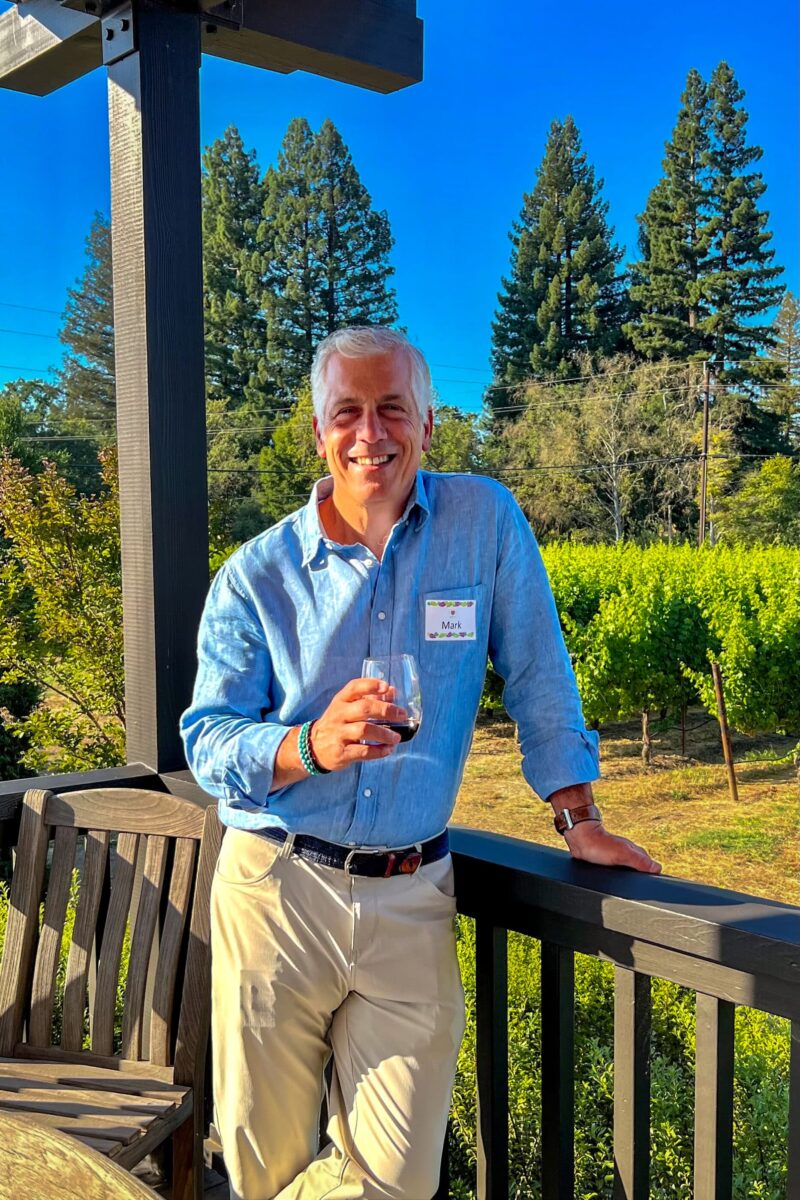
562,762
248,772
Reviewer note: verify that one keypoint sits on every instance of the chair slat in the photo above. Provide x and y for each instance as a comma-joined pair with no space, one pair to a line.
141,943
127,810
632,1021
491,1012
76,1102
113,938
50,938
180,891
558,1072
190,1047
713,1111
117,1129
23,919
83,935
793,1173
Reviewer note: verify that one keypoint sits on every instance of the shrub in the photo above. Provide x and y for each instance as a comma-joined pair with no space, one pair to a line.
760,1096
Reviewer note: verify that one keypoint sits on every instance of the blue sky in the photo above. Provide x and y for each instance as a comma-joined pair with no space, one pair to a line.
449,159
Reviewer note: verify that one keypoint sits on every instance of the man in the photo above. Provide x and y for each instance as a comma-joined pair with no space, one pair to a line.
332,906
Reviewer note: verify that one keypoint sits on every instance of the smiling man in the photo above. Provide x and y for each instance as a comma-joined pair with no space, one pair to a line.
332,904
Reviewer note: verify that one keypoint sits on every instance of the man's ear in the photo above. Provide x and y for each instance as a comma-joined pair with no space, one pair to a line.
318,438
427,431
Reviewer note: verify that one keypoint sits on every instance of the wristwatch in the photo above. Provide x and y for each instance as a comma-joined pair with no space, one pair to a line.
568,818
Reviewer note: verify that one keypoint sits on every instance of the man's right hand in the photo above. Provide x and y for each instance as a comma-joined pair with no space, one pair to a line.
338,736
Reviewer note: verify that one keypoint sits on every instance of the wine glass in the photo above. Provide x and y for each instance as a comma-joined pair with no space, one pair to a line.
400,672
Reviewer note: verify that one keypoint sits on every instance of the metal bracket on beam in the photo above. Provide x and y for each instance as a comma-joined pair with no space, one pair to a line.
229,14
119,36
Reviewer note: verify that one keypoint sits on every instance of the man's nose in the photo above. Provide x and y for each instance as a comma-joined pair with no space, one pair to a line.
371,428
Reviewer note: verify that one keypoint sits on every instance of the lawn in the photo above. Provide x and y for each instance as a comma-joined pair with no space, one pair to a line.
680,809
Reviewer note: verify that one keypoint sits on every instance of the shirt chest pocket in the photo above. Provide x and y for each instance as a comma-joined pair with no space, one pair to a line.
452,627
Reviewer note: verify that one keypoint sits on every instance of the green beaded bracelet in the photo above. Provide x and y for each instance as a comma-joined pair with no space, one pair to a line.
306,755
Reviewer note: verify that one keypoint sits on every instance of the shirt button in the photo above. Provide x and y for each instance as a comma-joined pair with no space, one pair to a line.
381,616
367,792
370,562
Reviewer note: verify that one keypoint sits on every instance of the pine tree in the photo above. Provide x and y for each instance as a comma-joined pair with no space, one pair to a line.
563,297
738,276
673,240
784,397
87,374
235,325
324,251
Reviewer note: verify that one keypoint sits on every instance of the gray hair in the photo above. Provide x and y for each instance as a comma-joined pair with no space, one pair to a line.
362,341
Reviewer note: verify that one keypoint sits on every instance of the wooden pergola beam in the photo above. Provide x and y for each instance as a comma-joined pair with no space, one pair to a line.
375,44
44,46
370,43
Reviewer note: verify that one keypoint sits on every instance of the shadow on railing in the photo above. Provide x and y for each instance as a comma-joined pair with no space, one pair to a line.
731,949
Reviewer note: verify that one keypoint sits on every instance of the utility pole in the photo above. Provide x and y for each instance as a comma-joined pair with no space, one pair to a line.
701,537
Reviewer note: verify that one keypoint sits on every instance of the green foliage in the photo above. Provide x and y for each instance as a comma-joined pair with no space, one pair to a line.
323,251
784,397
290,465
456,441
563,297
235,327
765,508
706,273
644,624
760,1098
630,425
87,375
673,240
61,616
61,969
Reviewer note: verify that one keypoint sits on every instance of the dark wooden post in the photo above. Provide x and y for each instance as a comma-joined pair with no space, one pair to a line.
153,57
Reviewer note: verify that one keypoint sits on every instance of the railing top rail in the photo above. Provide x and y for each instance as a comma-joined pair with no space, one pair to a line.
507,880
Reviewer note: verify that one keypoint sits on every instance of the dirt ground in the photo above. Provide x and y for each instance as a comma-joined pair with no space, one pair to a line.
680,809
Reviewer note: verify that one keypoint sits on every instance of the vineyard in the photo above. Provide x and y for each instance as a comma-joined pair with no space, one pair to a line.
643,625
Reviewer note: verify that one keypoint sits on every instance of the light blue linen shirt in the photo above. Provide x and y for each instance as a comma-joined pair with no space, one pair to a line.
290,617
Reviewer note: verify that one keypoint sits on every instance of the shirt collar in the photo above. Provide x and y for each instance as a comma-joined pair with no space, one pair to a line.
312,535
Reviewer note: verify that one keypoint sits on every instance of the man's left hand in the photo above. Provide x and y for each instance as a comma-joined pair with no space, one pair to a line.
590,841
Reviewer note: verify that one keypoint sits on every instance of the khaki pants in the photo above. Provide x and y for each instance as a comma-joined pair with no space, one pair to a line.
308,962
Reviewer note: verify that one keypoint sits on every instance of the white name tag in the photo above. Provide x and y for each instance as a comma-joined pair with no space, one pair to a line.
450,619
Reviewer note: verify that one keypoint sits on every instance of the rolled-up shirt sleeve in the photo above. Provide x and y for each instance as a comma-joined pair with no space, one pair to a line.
527,649
230,746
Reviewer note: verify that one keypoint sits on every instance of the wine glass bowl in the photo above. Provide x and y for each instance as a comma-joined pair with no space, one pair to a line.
400,672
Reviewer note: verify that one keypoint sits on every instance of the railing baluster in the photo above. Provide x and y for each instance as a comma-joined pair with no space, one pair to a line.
632,1012
793,1174
713,1115
558,1072
491,1003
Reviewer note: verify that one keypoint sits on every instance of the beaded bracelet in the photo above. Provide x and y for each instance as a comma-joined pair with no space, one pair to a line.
306,754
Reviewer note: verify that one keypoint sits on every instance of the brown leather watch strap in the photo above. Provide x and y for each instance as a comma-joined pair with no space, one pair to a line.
568,817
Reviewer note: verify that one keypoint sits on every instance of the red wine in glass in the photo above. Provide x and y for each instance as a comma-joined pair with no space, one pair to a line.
400,672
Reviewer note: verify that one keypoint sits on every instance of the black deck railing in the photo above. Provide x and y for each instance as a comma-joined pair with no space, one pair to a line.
731,949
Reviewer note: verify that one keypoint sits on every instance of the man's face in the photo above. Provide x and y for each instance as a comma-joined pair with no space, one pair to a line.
373,436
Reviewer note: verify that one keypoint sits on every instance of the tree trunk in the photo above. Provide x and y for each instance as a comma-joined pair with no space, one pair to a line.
647,745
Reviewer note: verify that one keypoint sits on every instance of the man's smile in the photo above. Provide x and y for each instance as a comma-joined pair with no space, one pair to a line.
374,460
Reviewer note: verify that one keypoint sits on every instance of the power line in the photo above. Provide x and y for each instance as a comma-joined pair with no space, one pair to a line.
28,370
25,333
29,308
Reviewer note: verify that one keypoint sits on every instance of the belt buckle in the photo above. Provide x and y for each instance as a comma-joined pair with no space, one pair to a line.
348,862
408,864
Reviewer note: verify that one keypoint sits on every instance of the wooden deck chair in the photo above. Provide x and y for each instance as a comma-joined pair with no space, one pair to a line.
154,879
41,1162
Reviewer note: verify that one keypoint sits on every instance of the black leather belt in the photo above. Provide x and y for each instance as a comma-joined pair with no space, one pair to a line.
375,863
